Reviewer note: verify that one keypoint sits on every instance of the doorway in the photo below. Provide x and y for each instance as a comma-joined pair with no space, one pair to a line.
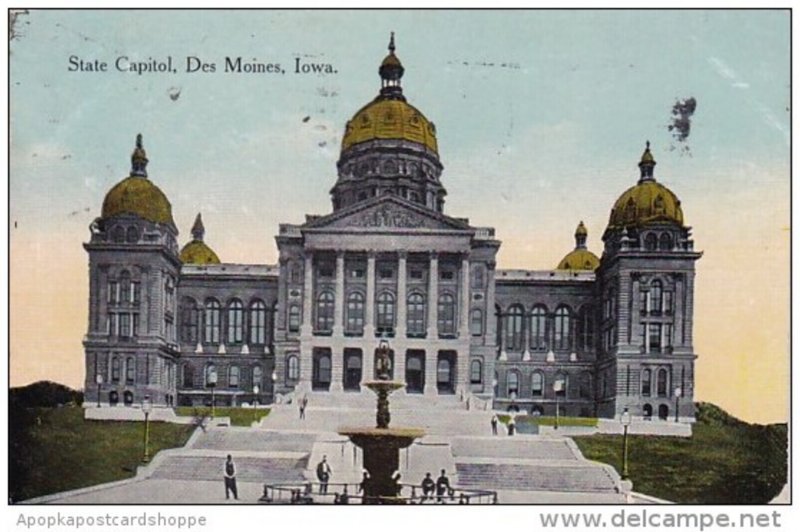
321,374
415,371
352,369
445,374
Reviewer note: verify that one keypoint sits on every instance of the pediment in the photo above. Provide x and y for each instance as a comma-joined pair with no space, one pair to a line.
387,213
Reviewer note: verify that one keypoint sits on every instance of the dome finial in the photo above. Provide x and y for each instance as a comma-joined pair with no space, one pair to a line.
580,236
646,164
198,230
139,159
391,43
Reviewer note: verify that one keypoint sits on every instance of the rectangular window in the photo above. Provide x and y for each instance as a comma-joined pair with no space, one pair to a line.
112,324
357,273
416,275
668,334
667,302
125,325
325,272
476,322
135,289
447,275
655,337
135,325
386,273
113,288
294,318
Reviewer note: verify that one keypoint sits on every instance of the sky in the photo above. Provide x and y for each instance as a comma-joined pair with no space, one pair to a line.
541,119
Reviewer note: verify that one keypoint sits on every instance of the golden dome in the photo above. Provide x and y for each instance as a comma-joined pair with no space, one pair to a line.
138,195
197,252
390,119
579,259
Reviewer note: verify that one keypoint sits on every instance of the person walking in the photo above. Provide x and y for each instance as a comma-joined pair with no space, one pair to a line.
229,472
494,424
303,405
512,426
442,487
324,473
428,487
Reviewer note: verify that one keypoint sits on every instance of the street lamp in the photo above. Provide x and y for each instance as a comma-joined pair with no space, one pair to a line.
147,407
625,420
256,389
678,393
558,387
99,380
212,383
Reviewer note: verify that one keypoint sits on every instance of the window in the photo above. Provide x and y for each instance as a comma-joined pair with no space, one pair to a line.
190,321
656,292
188,376
586,385
477,276
562,331
667,335
538,327
386,273
385,312
665,242
211,375
113,289
416,274
650,242
258,376
294,318
647,377
416,314
235,322
130,370
292,368
135,292
118,234
325,311
212,325
124,287
355,312
447,314
295,274
125,325
512,384
513,328
357,273
475,372
560,384
654,344
258,322
112,324
325,271
476,322
661,382
132,234
586,328
115,370
447,275
537,384
233,377
135,325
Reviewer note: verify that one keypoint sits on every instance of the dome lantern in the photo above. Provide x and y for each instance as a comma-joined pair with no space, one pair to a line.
647,164
197,252
580,236
198,231
391,70
139,159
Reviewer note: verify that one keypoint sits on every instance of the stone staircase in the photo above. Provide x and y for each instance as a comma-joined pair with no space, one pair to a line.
550,476
249,468
243,439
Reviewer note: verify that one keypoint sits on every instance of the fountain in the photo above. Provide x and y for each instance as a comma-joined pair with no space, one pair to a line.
381,445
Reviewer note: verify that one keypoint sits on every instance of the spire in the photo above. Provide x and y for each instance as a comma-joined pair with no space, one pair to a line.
198,231
580,236
139,159
391,70
646,165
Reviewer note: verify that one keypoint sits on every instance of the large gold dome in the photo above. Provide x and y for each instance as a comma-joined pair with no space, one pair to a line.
390,119
138,195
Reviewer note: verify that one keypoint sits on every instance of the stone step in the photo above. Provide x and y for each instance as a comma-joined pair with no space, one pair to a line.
527,477
530,448
248,469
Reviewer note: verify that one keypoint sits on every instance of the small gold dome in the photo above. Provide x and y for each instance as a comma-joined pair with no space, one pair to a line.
579,259
390,119
644,203
198,252
138,195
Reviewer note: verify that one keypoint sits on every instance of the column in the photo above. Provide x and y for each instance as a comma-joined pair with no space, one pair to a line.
431,355
338,309
462,362
306,328
368,359
399,350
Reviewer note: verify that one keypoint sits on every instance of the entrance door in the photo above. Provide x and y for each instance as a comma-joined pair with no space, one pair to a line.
445,379
352,369
415,371
321,378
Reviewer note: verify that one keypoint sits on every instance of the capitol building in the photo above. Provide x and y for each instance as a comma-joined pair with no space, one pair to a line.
170,319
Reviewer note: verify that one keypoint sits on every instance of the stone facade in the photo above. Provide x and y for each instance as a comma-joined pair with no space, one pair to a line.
387,264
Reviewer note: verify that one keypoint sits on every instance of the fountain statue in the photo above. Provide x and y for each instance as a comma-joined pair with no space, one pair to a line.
381,445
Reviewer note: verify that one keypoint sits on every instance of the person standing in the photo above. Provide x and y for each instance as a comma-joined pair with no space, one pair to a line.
229,472
324,473
494,424
303,405
512,426
442,487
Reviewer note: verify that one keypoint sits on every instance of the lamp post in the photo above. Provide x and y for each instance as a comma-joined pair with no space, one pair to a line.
558,386
678,393
625,420
256,389
99,380
146,408
212,383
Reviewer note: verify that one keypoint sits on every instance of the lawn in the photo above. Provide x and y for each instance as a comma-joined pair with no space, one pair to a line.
726,461
56,449
240,417
564,421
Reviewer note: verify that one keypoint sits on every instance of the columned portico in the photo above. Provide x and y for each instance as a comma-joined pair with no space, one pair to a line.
433,323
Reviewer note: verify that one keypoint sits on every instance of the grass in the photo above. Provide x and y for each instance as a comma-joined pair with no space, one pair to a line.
56,449
726,461
564,421
240,417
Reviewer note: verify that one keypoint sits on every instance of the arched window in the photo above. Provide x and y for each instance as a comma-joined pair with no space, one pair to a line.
476,322
586,328
292,368
647,411
115,369
355,312
665,242
475,371
656,294
132,234
537,384
258,322
647,379
294,318
233,377
124,287
416,314
190,321
447,314
651,242
539,327
385,312
130,370
235,322
513,322
663,412
211,322
562,331
585,390
661,382
560,384
118,234
325,303
512,384
210,377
